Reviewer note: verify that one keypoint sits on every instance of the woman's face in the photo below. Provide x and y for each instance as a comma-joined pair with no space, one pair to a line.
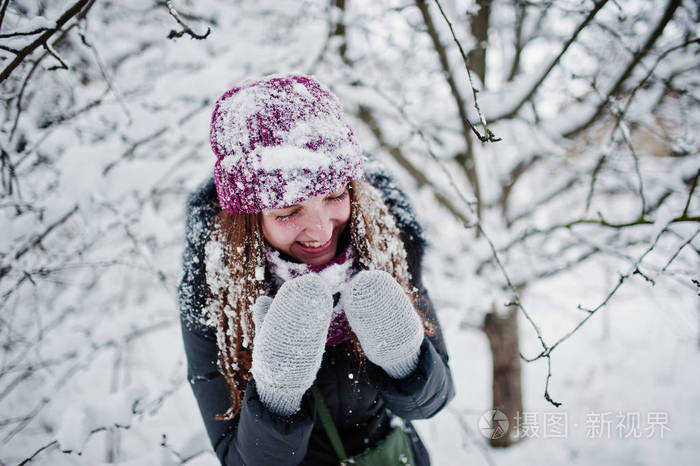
309,231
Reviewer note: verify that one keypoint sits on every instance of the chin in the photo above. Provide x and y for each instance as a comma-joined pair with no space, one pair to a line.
320,260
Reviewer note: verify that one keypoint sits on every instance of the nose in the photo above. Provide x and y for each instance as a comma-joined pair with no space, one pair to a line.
319,226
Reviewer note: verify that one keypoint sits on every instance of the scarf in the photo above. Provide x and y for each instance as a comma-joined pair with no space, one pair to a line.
335,273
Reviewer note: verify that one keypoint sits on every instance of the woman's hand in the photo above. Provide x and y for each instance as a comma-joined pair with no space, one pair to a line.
385,322
290,337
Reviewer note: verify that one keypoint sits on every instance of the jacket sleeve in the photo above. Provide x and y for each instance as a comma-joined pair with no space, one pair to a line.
255,436
429,387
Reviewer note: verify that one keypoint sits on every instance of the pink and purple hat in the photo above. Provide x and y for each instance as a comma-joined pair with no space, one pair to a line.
278,142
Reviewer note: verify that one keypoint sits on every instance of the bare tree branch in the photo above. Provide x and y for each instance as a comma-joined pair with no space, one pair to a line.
9,172
78,8
649,74
53,443
509,283
62,64
3,8
336,28
634,270
466,159
103,71
529,94
38,239
594,177
515,173
23,33
365,114
680,248
18,101
520,14
593,221
693,185
185,28
671,7
489,136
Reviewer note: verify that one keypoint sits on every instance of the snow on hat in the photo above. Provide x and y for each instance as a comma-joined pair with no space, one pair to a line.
278,142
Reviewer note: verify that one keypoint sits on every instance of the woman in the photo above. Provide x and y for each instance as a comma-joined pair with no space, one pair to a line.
303,268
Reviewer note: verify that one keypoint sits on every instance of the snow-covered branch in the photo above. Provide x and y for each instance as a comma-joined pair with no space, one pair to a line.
77,11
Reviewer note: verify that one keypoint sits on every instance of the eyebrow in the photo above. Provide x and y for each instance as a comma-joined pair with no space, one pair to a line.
337,192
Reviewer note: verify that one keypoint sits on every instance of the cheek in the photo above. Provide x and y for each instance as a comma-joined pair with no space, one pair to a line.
278,234
341,212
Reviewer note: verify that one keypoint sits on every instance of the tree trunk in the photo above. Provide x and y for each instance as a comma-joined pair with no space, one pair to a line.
340,29
480,30
502,332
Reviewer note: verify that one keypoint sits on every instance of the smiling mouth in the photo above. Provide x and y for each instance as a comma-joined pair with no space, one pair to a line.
314,246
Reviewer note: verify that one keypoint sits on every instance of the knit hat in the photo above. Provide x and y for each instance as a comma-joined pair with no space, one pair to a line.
278,142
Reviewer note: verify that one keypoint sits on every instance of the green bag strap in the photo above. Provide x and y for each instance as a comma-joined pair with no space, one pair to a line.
328,423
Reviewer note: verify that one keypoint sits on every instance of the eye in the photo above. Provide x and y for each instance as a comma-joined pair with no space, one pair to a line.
284,218
339,197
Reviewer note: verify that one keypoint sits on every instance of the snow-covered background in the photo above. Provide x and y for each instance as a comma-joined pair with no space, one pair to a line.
97,161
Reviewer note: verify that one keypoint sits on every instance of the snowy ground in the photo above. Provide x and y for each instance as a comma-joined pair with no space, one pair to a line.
636,359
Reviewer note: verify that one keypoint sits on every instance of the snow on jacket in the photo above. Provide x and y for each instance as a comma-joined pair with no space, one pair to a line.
361,406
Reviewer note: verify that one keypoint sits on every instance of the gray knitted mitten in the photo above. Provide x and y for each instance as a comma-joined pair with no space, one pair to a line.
383,318
290,337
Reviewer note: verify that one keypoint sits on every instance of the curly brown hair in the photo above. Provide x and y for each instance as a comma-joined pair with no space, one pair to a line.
237,275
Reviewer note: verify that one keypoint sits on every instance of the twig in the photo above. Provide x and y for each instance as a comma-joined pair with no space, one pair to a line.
653,67
103,71
466,159
55,442
129,153
48,445
158,272
69,116
512,112
38,239
90,356
570,183
185,28
25,33
515,173
183,459
568,265
9,174
366,115
624,129
509,283
53,53
694,184
8,49
44,271
69,14
680,248
18,101
594,177
641,53
3,8
590,312
595,221
520,14
489,136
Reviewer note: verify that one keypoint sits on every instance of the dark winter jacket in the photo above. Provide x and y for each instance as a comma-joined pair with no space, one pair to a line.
361,405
